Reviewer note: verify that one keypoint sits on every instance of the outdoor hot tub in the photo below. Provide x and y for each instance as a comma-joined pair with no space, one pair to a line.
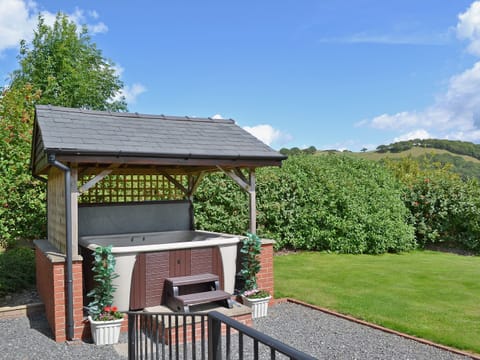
127,247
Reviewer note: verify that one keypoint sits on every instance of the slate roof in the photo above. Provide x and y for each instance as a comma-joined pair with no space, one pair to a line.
78,132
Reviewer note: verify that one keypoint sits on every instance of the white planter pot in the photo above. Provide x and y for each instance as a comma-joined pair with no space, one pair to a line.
105,332
259,306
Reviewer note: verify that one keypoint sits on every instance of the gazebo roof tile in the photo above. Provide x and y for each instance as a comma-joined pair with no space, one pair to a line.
80,133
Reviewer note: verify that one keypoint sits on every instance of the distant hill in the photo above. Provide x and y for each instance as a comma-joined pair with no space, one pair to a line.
414,152
464,156
455,147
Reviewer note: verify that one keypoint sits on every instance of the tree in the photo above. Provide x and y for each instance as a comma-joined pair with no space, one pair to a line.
364,149
382,148
22,198
68,69
61,67
310,150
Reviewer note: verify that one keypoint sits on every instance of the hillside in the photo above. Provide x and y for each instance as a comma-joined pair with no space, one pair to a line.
413,152
465,166
463,156
454,146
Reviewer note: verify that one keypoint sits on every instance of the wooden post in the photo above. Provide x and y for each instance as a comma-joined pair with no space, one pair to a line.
252,206
74,207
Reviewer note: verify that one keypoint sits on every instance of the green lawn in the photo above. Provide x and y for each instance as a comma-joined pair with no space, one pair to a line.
431,295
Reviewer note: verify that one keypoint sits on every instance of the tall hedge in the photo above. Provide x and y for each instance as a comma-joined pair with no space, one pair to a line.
445,209
329,202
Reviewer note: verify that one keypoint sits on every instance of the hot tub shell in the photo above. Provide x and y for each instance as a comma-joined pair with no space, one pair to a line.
126,247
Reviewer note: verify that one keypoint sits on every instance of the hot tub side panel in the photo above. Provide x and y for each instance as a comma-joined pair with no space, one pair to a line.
151,270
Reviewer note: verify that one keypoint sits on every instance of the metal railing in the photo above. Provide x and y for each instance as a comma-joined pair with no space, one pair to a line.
212,336
167,336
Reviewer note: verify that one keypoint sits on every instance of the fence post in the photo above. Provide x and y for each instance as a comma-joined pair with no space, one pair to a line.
214,338
131,337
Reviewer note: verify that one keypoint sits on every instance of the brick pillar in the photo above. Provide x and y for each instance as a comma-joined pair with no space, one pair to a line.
265,276
51,286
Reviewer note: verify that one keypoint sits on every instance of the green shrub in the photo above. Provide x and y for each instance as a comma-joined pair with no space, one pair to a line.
221,206
444,208
329,202
17,270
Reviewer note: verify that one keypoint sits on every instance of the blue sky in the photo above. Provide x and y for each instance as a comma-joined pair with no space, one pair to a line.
333,74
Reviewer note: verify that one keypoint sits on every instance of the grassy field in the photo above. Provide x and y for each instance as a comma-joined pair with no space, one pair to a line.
431,295
414,152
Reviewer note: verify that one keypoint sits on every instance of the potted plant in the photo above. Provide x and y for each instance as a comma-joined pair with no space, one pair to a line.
252,296
105,319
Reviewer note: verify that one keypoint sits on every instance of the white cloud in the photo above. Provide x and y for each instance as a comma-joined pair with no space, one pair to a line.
79,18
18,19
391,39
397,121
268,134
118,70
455,114
415,134
468,27
93,14
132,92
217,117
129,92
97,28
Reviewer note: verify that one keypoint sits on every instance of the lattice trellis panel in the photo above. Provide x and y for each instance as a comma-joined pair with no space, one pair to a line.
130,188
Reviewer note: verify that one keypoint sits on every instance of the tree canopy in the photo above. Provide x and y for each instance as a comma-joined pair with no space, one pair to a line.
22,198
60,67
68,69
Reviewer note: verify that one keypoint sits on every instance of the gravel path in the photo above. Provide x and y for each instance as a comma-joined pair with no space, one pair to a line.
31,338
321,335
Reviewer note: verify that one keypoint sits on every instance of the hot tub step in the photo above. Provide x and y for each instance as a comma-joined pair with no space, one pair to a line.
204,298
192,279
205,290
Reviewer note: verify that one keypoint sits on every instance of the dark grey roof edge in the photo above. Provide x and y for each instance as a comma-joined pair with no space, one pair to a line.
129,115
59,151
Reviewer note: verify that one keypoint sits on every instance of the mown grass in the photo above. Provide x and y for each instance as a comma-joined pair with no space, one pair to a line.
432,295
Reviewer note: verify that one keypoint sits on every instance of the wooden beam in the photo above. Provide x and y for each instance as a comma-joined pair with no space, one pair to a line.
97,178
240,180
193,182
177,184
240,174
248,185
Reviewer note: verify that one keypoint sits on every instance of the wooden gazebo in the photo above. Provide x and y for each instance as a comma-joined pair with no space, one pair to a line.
104,157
